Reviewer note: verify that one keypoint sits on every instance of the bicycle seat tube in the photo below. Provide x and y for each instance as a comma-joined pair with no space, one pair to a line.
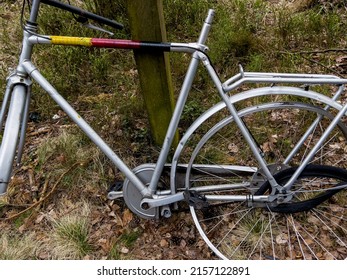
187,84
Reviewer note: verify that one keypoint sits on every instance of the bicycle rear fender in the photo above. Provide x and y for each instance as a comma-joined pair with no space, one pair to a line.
258,92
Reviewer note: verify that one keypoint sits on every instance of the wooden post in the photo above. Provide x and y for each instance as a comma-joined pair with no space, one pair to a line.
147,24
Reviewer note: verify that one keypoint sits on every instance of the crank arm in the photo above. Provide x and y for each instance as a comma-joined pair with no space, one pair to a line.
148,203
114,195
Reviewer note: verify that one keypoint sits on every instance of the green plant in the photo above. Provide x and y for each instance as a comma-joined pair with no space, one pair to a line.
125,242
129,238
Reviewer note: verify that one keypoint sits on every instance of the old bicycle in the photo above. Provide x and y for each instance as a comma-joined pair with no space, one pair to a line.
265,176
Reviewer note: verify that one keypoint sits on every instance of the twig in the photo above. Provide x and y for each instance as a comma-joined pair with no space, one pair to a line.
322,65
323,51
48,194
35,133
301,53
42,196
316,51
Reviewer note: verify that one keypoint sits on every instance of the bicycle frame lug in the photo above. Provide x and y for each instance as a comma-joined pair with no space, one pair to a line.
282,198
15,78
203,48
205,60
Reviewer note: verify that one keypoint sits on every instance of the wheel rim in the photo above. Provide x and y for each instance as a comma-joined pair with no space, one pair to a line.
262,233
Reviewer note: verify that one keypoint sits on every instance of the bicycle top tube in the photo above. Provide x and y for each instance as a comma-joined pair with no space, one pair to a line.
104,42
117,43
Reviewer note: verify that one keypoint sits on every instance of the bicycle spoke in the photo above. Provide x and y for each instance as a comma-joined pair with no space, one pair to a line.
288,230
331,230
299,238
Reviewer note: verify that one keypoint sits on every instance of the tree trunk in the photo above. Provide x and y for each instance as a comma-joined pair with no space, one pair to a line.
147,24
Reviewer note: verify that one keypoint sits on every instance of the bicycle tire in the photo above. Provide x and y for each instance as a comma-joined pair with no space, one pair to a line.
10,135
308,202
276,128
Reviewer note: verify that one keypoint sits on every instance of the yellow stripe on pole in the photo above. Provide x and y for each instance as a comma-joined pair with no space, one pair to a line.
72,41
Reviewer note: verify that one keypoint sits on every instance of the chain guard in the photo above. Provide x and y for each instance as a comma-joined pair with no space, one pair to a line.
133,197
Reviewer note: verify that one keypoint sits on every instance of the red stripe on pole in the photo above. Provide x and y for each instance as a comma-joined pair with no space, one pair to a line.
115,43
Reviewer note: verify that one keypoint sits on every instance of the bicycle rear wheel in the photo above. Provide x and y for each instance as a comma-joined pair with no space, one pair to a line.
236,230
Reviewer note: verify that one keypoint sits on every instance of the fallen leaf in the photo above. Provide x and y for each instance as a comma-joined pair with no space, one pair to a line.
233,148
124,250
112,214
39,219
281,239
127,217
164,243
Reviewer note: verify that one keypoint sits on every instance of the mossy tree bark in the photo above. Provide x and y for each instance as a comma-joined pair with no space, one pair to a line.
147,24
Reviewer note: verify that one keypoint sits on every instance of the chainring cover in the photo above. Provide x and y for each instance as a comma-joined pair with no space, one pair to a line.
133,197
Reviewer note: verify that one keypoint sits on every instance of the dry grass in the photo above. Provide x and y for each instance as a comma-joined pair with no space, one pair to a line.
19,247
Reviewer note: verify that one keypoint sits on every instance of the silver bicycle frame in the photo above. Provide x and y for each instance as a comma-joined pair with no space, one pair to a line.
26,69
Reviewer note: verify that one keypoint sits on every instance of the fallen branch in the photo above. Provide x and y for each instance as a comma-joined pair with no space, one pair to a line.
322,65
320,51
301,53
47,195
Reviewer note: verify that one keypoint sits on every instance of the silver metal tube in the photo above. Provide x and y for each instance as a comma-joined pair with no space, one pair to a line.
240,123
290,75
24,125
98,141
231,80
221,187
310,129
311,154
34,10
187,84
283,79
10,136
4,104
184,47
174,123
